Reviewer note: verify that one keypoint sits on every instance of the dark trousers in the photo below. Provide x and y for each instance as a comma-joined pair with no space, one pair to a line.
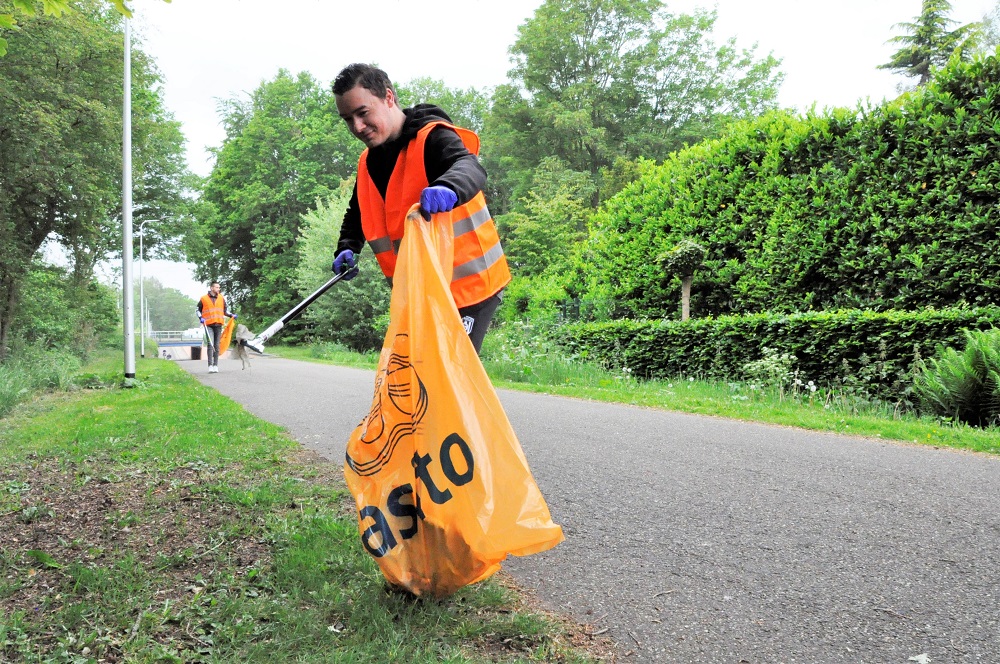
476,318
214,337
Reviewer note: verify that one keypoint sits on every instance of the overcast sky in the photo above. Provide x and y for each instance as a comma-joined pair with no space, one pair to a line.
217,49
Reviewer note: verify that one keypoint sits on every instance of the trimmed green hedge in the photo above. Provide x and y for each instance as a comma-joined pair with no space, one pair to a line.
875,350
891,207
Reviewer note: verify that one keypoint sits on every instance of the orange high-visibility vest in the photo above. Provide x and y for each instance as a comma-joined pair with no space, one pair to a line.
480,267
213,312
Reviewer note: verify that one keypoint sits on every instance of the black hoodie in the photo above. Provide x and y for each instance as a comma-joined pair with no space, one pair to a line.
446,160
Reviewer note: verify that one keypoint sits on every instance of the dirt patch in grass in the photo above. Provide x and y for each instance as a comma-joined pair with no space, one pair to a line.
63,522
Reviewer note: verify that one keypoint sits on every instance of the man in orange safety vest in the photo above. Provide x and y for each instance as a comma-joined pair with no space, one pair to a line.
212,313
417,155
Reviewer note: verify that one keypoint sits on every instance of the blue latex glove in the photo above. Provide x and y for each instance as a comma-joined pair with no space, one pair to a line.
437,199
345,262
234,316
201,319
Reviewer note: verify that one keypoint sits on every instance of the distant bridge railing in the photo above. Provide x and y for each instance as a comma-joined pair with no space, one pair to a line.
177,335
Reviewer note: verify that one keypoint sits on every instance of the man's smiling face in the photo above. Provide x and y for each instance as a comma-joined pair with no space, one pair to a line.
371,119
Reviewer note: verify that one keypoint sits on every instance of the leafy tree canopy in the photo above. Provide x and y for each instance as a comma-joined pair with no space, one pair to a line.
60,145
549,222
467,108
285,148
169,309
10,9
353,313
598,80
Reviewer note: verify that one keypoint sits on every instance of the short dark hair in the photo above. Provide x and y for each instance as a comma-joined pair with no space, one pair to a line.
215,283
369,77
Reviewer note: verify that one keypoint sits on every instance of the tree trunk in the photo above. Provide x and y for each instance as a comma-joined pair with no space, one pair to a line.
686,297
8,307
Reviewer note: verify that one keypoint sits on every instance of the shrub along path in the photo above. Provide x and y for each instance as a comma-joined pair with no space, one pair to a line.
698,539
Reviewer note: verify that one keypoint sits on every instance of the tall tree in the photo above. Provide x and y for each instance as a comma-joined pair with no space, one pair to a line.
597,80
60,145
549,221
929,43
9,12
285,148
989,38
169,309
355,313
467,108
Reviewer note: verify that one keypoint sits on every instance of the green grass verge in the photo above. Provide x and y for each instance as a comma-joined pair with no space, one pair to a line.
327,354
835,412
163,523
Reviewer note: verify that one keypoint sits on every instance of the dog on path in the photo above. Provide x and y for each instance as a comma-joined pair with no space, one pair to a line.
241,337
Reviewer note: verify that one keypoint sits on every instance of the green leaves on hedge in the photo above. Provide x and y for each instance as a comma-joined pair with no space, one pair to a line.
889,207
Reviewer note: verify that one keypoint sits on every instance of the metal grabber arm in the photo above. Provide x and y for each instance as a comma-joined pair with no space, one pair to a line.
257,343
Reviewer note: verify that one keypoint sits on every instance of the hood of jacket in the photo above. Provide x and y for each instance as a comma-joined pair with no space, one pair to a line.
417,117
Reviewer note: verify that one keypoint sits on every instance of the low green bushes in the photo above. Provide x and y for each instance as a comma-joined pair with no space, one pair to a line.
58,312
60,322
874,353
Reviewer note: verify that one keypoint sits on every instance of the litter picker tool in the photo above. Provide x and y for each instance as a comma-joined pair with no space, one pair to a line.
257,343
208,339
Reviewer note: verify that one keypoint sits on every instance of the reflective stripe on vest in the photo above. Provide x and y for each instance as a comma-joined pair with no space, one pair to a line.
477,265
213,312
480,267
382,245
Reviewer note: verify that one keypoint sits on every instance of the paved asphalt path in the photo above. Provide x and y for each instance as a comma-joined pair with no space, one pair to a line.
699,539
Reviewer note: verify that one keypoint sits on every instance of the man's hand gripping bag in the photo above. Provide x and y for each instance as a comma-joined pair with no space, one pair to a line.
443,490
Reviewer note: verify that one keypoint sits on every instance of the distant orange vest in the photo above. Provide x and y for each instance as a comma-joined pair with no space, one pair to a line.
480,267
213,312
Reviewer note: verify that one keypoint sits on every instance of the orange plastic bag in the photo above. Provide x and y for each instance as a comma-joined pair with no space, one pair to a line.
443,490
227,336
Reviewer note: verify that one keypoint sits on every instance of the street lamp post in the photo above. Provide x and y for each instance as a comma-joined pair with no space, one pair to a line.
142,318
128,320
